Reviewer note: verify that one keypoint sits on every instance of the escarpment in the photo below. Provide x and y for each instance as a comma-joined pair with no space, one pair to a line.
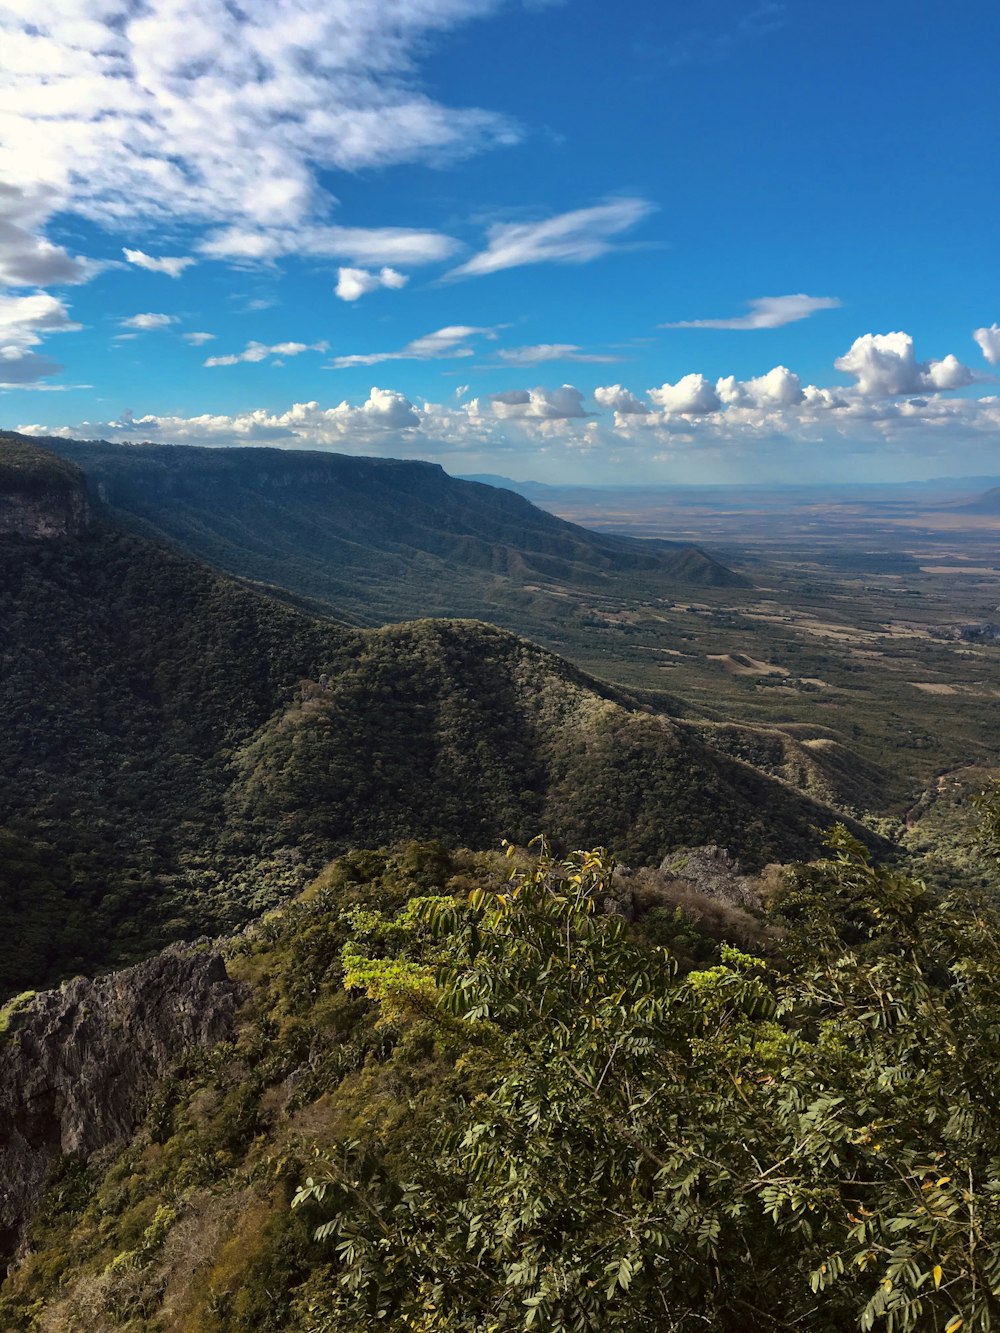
41,496
77,1064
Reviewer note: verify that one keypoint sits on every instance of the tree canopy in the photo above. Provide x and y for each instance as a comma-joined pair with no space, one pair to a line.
623,1146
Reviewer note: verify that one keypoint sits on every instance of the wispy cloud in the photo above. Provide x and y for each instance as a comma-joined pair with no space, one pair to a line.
218,112
256,351
172,265
360,245
534,356
706,46
766,312
566,238
213,115
451,341
198,339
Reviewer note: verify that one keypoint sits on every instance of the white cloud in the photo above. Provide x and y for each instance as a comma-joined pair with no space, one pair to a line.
447,342
692,395
533,356
385,416
202,110
827,431
359,245
353,283
210,114
172,265
884,365
256,351
989,343
24,321
766,312
564,403
198,339
567,238
27,258
619,400
778,388
148,322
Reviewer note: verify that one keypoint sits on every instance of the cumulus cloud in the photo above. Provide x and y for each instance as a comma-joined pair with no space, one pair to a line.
989,343
564,403
198,339
533,356
884,365
766,312
778,388
447,342
567,238
256,351
825,425
353,283
27,258
385,415
148,322
619,400
172,265
24,321
692,395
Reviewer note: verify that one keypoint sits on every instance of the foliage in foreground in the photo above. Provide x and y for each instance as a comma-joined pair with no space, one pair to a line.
627,1148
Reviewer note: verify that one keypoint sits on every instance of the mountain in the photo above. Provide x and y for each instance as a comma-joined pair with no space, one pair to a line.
987,503
179,751
376,539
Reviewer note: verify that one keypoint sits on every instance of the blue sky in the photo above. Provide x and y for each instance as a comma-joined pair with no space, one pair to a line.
572,241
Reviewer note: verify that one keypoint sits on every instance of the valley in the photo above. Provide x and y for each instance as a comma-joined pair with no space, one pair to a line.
853,626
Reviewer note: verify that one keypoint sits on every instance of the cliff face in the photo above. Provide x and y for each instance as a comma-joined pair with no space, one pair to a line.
77,1064
60,512
41,496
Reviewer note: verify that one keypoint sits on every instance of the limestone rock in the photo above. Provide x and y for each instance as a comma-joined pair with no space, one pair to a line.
78,1064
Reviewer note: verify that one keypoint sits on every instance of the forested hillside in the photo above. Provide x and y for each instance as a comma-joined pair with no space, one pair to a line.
476,1094
375,539
178,752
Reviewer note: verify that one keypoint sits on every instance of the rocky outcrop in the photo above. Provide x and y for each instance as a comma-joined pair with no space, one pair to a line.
78,1064
41,496
715,873
60,512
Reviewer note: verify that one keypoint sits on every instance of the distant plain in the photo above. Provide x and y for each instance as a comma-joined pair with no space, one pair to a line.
851,631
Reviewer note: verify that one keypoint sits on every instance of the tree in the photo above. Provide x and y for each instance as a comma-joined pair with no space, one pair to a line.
623,1148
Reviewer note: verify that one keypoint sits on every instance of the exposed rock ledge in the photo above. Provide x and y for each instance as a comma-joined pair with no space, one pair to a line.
41,496
79,1063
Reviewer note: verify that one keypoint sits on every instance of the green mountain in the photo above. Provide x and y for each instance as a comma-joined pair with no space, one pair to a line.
376,539
179,751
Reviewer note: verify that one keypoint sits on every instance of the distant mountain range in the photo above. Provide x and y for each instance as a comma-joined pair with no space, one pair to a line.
373,540
988,503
